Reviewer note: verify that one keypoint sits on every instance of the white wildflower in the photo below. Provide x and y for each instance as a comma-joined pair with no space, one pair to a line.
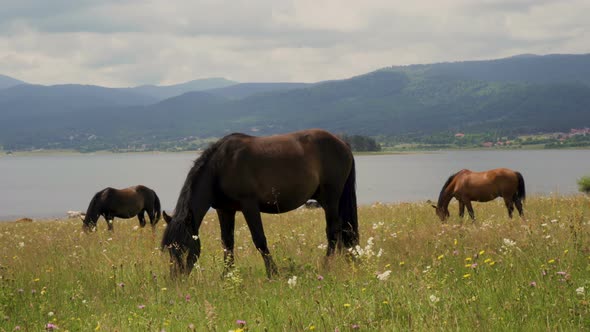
434,298
292,282
509,243
135,227
580,291
21,244
323,246
377,225
384,276
195,237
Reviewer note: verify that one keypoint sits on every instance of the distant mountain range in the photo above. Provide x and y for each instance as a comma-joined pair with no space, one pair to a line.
521,94
169,91
7,82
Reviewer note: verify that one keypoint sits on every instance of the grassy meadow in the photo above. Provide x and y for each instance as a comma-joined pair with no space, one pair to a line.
412,273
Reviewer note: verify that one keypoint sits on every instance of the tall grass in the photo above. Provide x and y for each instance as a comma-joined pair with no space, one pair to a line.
497,274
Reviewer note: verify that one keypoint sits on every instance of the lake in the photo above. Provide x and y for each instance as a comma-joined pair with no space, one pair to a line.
49,185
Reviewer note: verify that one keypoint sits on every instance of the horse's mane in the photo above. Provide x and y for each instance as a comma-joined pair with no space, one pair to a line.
182,210
449,180
92,206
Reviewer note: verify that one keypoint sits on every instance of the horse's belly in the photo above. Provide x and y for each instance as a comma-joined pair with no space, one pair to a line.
280,207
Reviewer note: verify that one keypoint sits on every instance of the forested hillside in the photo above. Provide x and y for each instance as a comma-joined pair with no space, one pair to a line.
526,94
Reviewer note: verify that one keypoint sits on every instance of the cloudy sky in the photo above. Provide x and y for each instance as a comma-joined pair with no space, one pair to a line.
131,42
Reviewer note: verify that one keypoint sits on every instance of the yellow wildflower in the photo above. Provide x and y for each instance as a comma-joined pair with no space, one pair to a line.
346,305
487,260
402,263
468,259
467,275
482,252
440,257
551,261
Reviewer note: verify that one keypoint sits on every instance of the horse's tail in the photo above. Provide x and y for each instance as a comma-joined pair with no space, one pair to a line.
347,211
521,192
157,207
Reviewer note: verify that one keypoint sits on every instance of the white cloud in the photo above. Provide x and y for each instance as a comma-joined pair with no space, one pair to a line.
124,43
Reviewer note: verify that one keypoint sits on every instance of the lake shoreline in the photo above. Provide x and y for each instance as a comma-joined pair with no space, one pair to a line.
51,153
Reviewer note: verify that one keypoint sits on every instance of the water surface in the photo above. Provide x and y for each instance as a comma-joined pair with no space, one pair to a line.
49,185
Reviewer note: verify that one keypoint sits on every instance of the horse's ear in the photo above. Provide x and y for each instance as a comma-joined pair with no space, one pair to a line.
434,206
167,218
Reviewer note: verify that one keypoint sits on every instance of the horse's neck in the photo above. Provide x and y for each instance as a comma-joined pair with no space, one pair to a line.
200,197
446,197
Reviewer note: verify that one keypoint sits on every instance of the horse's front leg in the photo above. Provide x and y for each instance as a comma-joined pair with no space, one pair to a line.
227,222
251,212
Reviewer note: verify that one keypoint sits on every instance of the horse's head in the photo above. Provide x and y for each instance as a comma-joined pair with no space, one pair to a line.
441,212
180,239
88,224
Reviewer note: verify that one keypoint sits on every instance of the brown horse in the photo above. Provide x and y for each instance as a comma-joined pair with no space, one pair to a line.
467,186
123,203
273,174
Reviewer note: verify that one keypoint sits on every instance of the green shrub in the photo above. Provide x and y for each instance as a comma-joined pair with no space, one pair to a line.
584,184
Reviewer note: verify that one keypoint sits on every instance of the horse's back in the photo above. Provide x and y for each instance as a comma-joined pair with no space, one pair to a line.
488,184
283,170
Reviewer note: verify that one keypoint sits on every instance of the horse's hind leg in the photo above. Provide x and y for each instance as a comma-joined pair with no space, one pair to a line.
333,227
110,224
152,217
470,210
252,214
509,206
227,222
141,218
518,203
461,209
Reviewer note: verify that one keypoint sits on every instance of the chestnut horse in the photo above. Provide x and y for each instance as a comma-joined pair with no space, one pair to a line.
467,186
273,174
123,203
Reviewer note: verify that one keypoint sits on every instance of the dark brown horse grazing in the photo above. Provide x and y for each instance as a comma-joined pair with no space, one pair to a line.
123,203
273,174
467,186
